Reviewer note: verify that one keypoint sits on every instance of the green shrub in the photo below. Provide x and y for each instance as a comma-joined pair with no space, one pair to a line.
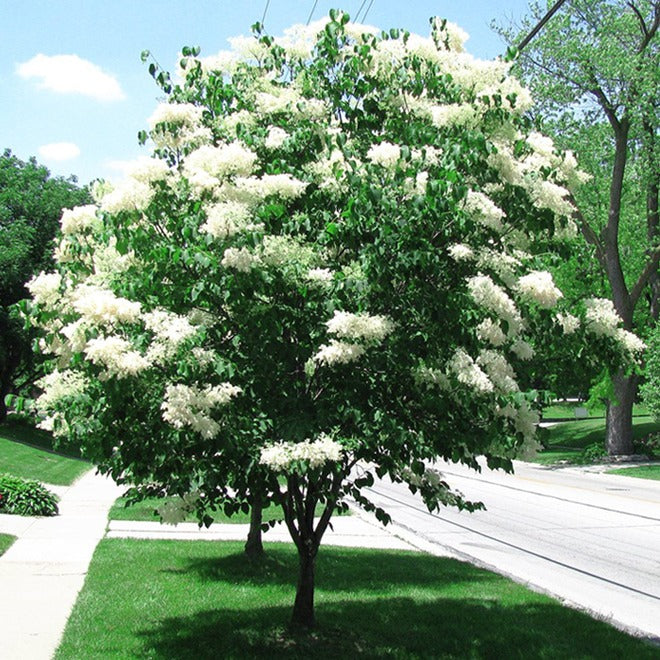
593,453
26,498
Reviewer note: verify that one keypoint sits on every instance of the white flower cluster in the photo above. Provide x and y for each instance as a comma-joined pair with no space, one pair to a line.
450,35
328,171
490,331
148,170
493,297
320,275
522,349
461,252
285,250
57,386
225,219
360,326
280,457
103,307
170,331
384,154
109,264
45,289
601,317
484,210
499,371
178,125
468,372
452,114
185,405
117,355
538,287
254,190
525,419
206,167
569,323
338,352
603,320
79,219
129,195
240,259
276,137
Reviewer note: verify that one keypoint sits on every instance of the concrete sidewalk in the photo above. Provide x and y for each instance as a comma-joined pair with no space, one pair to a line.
355,531
43,571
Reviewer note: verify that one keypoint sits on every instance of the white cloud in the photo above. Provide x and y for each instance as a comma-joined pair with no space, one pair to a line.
59,151
70,74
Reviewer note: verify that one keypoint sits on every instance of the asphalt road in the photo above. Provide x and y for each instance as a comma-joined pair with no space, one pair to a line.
591,539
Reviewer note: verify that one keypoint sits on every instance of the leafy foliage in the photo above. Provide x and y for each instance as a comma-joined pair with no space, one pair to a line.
651,388
31,202
26,498
327,273
593,69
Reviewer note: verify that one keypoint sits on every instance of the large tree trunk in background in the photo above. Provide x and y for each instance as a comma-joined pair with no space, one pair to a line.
254,546
3,406
303,608
619,434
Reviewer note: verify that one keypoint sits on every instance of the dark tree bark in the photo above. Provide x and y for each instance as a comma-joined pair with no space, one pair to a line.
619,439
303,607
254,547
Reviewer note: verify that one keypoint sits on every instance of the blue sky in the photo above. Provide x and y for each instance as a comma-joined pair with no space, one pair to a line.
75,92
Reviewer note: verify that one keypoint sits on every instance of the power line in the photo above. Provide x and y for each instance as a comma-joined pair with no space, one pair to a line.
364,18
357,15
263,18
311,13
540,24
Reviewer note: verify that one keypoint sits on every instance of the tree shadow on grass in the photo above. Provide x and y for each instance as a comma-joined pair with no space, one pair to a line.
394,628
380,605
338,569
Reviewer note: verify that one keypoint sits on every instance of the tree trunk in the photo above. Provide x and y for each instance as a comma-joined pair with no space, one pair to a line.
303,608
253,546
3,407
619,434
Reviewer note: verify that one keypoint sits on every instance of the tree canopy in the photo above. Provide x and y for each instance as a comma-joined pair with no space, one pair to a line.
31,203
594,69
326,272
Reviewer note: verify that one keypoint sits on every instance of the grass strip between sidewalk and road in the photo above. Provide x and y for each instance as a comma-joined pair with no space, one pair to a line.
641,472
5,542
202,599
28,453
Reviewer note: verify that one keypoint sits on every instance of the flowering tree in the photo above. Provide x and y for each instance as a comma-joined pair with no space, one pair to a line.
329,261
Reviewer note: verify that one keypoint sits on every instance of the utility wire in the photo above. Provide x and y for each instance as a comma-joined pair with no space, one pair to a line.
364,18
263,18
311,13
540,24
357,15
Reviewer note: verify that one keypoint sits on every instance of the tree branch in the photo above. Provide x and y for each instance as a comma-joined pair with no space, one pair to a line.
648,33
644,276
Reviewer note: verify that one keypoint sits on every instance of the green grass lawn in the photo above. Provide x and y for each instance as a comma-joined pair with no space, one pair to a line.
562,410
146,510
27,452
642,472
5,541
568,439
201,599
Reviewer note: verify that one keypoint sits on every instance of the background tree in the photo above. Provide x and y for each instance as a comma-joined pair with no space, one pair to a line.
594,71
31,203
651,388
329,264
